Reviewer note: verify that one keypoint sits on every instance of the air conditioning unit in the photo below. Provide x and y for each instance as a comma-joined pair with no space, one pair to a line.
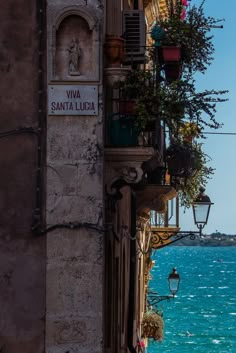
134,31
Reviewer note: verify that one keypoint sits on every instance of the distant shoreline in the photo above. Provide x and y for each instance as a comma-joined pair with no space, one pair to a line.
214,239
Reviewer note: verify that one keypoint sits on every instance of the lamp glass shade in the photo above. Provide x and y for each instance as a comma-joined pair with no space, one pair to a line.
201,212
201,208
174,280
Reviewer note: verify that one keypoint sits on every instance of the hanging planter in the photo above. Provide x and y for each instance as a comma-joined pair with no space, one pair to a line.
173,71
180,160
115,50
171,54
156,176
153,325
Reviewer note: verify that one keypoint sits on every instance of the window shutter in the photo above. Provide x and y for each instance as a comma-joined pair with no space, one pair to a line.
134,30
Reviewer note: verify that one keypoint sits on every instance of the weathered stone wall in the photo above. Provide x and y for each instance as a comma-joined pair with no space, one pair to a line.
75,268
22,254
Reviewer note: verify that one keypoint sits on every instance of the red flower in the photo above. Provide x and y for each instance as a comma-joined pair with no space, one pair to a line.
183,14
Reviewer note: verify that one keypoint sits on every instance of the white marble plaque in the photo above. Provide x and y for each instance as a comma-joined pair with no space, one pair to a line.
72,100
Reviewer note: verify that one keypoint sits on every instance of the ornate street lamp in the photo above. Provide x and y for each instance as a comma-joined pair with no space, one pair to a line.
173,279
201,209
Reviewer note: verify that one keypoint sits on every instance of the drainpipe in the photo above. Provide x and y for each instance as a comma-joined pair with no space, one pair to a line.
37,221
136,5
132,281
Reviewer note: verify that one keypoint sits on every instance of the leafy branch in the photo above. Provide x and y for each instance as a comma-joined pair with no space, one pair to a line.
193,34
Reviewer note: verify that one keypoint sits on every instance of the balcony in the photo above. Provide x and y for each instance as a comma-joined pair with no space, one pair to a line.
122,131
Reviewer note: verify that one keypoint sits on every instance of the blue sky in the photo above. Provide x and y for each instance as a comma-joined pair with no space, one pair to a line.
220,75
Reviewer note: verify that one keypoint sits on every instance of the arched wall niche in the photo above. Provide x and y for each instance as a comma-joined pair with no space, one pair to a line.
74,54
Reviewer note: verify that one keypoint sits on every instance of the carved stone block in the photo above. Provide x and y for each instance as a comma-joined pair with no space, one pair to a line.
71,286
73,42
75,209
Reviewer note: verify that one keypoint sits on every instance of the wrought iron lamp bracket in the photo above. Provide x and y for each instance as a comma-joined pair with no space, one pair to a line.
163,238
155,299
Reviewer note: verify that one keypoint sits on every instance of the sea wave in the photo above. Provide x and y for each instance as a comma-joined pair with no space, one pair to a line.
202,320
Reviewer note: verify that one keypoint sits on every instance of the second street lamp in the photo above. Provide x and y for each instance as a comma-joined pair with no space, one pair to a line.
174,279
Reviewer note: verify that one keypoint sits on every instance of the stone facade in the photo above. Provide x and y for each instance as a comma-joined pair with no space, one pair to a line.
74,310
22,254
67,285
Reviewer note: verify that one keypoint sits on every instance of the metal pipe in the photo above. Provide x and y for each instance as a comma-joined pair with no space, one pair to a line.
37,217
132,281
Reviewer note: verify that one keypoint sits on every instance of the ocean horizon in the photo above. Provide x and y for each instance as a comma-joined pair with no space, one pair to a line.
202,317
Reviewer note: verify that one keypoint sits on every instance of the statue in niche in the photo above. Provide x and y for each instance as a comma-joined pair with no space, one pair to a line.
74,55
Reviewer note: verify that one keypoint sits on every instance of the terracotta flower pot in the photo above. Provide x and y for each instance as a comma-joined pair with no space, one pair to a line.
188,139
114,50
171,54
127,107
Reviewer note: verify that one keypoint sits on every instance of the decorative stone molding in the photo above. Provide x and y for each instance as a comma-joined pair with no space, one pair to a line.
131,156
125,176
154,197
123,167
78,23
77,11
115,74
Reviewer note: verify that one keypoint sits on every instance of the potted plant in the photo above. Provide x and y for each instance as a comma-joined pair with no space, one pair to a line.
188,188
190,30
139,97
153,325
180,158
150,101
173,71
171,54
168,51
184,159
199,107
189,130
168,56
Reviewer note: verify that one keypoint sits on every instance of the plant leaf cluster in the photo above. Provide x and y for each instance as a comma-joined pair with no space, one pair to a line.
175,102
188,188
199,106
153,325
170,102
193,34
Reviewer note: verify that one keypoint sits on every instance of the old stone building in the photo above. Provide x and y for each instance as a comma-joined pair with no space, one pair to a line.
73,224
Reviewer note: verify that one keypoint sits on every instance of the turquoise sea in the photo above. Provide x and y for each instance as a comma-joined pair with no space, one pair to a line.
202,317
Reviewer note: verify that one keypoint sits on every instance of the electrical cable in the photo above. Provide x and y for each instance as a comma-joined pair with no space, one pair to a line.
219,133
20,130
72,225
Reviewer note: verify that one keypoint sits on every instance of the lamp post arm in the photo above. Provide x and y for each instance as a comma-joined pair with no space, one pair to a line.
155,299
200,227
160,239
